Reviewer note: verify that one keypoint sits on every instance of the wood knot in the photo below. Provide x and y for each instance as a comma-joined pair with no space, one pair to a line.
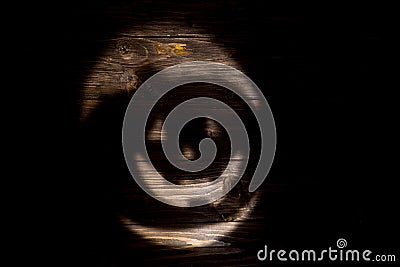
131,50
130,81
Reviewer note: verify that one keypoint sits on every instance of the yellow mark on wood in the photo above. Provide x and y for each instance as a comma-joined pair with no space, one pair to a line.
160,49
170,49
180,49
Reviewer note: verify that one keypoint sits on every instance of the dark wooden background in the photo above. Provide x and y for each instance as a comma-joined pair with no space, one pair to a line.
322,70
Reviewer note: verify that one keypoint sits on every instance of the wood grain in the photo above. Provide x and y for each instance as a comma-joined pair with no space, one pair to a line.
126,61
307,65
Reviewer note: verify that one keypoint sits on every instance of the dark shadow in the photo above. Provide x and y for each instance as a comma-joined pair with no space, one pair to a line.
318,70
109,192
103,166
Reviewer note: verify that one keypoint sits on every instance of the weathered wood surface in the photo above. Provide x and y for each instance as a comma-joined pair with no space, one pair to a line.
128,61
296,63
116,74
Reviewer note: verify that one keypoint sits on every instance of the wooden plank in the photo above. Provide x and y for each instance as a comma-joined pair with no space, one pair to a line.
299,59
126,62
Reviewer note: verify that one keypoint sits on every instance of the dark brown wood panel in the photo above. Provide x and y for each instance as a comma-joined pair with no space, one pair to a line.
317,70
